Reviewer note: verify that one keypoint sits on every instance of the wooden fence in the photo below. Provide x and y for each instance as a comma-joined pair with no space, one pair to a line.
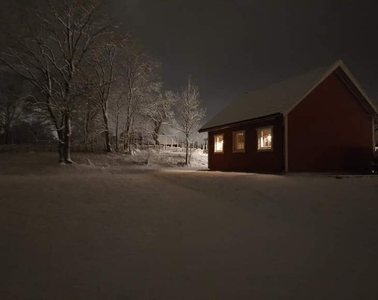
52,146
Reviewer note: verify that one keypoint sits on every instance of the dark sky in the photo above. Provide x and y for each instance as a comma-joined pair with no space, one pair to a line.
230,47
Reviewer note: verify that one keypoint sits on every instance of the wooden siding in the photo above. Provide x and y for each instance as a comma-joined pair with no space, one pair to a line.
251,160
330,131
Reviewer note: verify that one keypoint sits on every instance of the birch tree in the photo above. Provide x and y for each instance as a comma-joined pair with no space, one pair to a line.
188,114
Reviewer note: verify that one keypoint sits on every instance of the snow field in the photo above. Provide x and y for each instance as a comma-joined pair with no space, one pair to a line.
105,232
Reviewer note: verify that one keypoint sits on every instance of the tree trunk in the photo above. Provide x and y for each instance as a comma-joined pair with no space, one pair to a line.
107,133
124,139
86,129
127,136
117,131
155,134
60,145
187,162
107,141
67,138
59,129
59,132
128,125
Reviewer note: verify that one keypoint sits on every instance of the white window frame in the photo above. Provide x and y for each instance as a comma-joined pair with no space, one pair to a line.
215,138
234,134
258,131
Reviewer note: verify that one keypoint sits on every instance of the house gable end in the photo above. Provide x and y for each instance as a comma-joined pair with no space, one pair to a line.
329,130
350,81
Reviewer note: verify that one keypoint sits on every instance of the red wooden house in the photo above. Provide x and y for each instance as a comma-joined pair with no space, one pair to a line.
321,121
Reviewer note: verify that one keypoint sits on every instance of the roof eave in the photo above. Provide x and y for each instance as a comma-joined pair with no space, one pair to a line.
301,98
239,123
359,88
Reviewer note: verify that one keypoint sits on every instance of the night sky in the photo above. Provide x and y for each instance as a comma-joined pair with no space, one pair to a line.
231,47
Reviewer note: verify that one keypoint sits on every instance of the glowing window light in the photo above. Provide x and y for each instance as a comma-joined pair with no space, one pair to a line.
265,138
239,141
218,143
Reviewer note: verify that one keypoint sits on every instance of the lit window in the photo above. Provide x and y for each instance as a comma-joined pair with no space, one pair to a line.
238,141
218,143
264,138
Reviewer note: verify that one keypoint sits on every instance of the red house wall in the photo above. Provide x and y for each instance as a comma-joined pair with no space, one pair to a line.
329,131
251,160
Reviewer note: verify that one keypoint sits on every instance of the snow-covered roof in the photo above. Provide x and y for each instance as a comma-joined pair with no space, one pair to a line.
279,98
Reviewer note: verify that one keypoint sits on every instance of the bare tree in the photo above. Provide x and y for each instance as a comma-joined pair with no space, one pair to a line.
86,122
50,52
103,62
140,77
188,114
159,109
118,109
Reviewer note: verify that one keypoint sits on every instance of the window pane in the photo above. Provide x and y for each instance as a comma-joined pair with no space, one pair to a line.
265,138
218,143
239,141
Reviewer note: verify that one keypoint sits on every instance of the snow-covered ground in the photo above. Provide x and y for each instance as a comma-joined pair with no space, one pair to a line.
150,159
93,231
